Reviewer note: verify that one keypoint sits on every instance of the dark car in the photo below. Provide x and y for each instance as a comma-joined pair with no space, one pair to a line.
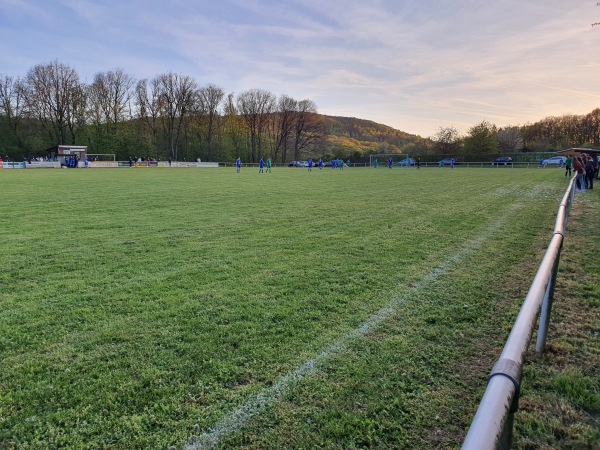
502,160
406,162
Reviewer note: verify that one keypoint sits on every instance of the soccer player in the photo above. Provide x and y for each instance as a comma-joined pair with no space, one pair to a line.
320,164
310,164
238,164
269,165
261,165
390,163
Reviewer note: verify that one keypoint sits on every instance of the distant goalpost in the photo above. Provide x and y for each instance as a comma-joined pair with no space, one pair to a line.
101,157
381,159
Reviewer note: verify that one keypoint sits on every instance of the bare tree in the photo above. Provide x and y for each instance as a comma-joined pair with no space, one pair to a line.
110,95
233,125
446,140
177,94
255,107
282,126
12,103
149,105
109,105
308,127
56,98
206,108
510,139
592,126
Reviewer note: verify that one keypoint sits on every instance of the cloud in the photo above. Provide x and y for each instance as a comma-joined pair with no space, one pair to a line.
414,65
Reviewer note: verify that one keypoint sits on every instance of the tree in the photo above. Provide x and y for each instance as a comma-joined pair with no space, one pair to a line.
592,127
446,141
109,106
56,98
233,128
255,107
308,127
206,112
482,139
149,104
282,125
177,93
12,104
510,139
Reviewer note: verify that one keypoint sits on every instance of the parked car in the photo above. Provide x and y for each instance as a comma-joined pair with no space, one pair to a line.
447,162
554,161
298,164
406,162
502,160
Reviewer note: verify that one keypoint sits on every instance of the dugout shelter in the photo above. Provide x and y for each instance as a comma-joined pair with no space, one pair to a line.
63,152
589,151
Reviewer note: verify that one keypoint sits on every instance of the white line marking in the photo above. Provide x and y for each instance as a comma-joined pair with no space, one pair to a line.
238,418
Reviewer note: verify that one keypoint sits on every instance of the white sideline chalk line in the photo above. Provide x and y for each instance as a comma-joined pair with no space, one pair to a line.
238,418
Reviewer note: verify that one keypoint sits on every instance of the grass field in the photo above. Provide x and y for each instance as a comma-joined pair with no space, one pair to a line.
157,308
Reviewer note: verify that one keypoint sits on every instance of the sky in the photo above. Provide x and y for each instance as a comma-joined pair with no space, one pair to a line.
415,65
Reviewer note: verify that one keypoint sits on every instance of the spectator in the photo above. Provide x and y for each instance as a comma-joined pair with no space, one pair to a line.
590,172
580,171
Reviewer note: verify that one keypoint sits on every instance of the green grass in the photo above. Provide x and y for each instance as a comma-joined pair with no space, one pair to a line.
141,307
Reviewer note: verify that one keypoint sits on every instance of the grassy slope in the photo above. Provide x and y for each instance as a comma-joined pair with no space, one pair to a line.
145,305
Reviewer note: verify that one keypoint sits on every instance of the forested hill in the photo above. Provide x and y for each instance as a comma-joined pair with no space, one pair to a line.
346,135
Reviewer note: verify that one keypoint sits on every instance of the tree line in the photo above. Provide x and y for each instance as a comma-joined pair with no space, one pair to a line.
168,116
548,134
172,116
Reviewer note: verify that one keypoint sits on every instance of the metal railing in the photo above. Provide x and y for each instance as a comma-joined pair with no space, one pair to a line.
492,425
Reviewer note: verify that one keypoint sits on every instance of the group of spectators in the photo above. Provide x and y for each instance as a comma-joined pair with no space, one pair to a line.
586,168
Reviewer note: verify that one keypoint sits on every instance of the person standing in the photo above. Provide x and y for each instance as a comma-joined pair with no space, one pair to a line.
310,164
580,171
320,164
418,163
238,164
452,162
269,165
390,163
590,172
261,165
568,165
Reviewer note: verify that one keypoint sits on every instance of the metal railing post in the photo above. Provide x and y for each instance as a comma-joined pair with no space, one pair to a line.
540,344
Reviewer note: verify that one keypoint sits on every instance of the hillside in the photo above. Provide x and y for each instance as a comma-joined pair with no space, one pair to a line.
352,137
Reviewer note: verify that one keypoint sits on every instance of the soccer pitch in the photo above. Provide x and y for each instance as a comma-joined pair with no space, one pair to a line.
150,308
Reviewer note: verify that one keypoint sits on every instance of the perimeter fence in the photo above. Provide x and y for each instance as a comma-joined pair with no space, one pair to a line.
492,425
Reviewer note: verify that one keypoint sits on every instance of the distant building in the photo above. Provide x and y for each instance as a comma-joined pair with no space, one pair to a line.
62,153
